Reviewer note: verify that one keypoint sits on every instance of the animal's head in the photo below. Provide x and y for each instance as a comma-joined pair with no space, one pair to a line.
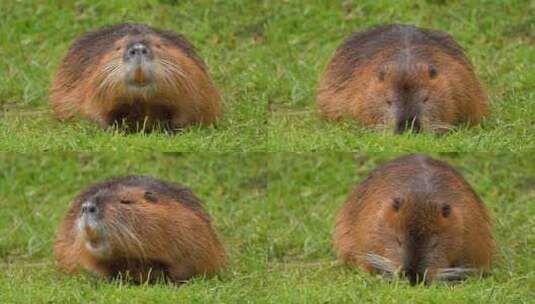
128,220
142,64
421,235
409,94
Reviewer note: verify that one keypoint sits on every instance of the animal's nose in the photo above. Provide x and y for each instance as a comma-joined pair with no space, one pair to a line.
409,123
413,276
138,50
89,207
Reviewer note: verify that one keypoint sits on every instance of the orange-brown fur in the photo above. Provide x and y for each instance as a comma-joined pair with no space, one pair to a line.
155,233
398,213
373,72
183,93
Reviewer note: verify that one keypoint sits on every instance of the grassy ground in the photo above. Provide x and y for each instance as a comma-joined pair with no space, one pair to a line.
266,57
274,211
275,215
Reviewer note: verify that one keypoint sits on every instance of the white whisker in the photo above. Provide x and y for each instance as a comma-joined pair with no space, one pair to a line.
381,264
108,76
454,274
170,72
126,238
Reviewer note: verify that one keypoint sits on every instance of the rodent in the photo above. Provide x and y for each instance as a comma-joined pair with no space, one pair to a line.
135,76
418,217
402,77
139,228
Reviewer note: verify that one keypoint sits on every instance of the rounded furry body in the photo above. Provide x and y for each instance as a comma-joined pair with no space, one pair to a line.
139,228
136,76
415,216
402,77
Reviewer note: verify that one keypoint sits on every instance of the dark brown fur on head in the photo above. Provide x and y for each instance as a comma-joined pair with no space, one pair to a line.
137,75
402,77
141,228
416,216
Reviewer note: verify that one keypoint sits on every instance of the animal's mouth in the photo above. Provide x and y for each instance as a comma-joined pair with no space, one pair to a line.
412,124
140,77
90,229
93,237
139,72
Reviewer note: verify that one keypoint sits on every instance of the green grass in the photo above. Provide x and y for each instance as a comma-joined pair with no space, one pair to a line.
274,211
275,214
266,57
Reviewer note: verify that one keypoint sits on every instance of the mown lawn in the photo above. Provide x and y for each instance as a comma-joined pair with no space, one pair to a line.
266,57
275,214
274,210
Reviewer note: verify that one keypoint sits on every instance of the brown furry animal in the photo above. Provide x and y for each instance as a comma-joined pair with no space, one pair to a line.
139,228
416,216
402,77
135,75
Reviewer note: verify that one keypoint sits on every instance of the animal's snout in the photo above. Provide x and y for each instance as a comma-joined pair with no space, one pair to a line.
89,208
138,51
407,123
413,276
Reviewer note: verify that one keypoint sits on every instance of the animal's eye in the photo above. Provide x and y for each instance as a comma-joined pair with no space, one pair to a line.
396,204
118,48
381,75
432,71
446,210
389,102
150,196
126,202
425,100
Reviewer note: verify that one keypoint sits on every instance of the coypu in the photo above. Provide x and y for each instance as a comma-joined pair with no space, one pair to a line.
136,76
418,217
402,77
139,228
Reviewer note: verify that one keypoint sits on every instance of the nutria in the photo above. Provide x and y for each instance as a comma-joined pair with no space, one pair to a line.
418,217
402,77
139,228
136,76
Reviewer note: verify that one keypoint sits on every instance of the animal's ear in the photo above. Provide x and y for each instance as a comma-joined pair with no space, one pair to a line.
151,197
433,72
446,210
396,203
